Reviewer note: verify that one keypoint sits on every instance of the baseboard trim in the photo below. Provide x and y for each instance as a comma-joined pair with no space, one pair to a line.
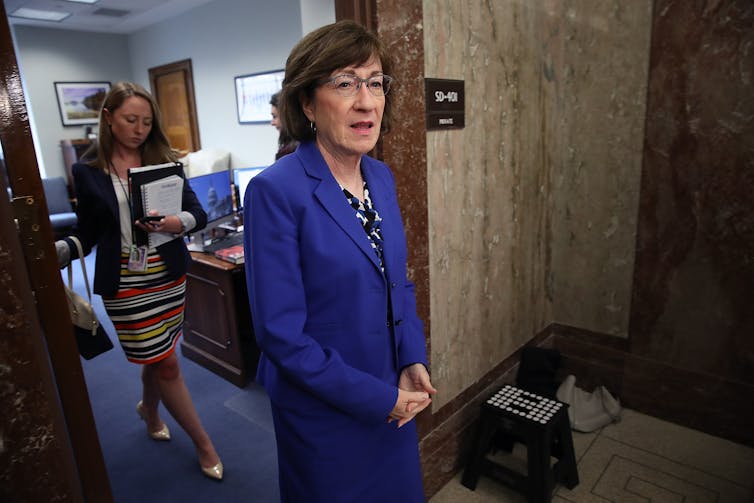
446,435
704,402
710,403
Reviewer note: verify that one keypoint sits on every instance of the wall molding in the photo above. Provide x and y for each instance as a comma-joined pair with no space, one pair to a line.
710,403
446,435
697,400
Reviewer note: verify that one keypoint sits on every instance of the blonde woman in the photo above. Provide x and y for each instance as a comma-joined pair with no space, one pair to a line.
143,289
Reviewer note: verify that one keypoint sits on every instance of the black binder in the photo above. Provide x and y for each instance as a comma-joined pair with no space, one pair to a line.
138,177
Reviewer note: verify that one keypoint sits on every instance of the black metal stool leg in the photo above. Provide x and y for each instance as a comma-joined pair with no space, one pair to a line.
538,484
542,425
485,432
567,471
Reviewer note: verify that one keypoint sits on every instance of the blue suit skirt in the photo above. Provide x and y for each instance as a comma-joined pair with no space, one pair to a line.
328,456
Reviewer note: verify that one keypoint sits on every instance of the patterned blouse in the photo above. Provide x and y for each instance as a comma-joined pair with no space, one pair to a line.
369,219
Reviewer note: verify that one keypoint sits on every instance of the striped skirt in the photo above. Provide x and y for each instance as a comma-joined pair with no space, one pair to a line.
147,311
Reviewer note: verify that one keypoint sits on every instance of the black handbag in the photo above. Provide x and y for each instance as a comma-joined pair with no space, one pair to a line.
91,337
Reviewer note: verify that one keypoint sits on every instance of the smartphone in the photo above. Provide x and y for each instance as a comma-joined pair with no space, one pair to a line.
151,218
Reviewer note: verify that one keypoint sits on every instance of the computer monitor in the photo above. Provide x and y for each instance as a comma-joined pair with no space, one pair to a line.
214,193
241,178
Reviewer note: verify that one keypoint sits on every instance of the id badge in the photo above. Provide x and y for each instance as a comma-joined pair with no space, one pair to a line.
137,259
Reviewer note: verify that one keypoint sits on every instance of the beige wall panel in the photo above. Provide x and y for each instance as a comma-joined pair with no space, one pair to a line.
596,68
488,207
532,206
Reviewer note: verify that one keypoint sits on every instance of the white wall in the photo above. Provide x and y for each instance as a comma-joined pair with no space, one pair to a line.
46,56
316,13
224,38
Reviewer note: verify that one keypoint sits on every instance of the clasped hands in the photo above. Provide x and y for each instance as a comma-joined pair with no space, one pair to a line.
414,394
169,223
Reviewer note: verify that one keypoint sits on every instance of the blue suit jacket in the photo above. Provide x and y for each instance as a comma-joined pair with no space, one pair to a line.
334,331
99,224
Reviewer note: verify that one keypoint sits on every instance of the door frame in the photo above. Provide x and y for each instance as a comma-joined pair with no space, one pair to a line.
50,432
184,68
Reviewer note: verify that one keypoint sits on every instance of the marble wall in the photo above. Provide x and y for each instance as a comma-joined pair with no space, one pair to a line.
596,69
532,206
695,260
689,357
488,191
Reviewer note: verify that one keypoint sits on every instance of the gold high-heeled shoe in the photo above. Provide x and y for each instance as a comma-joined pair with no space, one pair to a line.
214,472
161,434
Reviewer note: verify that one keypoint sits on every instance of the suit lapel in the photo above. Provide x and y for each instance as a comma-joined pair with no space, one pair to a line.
106,186
102,184
331,197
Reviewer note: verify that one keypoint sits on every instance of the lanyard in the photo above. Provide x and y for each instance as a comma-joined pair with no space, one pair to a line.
128,201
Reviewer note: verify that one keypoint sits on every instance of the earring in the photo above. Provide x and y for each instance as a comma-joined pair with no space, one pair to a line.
313,126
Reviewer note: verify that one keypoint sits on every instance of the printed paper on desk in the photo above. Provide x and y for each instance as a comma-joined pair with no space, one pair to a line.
163,196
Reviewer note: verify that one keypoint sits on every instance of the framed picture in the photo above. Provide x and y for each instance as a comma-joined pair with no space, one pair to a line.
79,102
253,93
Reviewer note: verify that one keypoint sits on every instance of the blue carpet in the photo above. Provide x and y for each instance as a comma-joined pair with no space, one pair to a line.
142,470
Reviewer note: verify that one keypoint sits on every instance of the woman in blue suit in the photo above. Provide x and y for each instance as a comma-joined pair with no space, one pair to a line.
343,353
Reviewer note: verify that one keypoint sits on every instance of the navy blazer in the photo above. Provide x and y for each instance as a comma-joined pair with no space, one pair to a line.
334,330
99,224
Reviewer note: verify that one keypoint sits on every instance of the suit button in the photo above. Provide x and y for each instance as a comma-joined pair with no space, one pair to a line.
388,324
393,285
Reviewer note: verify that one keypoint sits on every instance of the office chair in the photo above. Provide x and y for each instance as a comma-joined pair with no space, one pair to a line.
62,216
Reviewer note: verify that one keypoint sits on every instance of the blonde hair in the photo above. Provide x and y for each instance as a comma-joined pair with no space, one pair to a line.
155,149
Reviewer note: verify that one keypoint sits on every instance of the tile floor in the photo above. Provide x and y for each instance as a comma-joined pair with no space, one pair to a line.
639,459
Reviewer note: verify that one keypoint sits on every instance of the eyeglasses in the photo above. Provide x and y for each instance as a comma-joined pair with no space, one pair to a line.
348,85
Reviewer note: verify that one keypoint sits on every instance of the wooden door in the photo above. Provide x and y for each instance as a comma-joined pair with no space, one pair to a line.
173,88
49,448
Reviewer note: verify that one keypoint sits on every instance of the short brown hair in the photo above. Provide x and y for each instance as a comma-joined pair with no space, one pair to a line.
314,58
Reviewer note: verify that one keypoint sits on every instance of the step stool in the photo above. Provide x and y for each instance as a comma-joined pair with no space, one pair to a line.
542,425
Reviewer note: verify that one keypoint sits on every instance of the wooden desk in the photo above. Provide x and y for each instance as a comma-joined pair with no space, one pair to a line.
217,332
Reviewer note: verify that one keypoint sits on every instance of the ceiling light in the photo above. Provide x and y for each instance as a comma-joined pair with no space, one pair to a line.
83,1
40,15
